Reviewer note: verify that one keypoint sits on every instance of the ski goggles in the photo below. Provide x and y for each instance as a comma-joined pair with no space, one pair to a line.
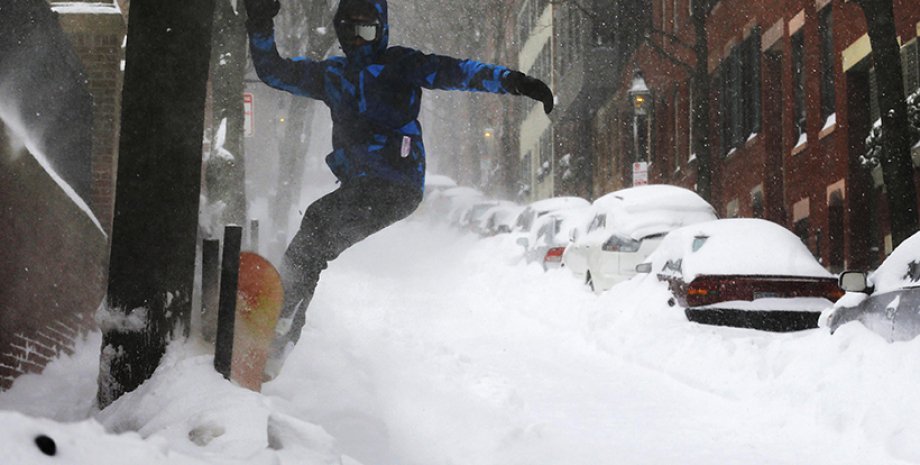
368,32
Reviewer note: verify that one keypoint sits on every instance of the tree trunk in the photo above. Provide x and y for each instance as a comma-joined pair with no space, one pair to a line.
897,167
702,119
226,174
159,180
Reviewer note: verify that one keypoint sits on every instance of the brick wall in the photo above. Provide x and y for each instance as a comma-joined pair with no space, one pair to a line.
52,263
97,35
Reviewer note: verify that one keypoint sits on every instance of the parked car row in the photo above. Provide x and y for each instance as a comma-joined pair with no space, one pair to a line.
747,273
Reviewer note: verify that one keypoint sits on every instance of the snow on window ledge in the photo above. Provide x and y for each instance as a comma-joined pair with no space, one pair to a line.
830,124
85,8
800,144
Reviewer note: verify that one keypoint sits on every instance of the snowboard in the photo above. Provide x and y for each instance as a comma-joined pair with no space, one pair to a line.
259,298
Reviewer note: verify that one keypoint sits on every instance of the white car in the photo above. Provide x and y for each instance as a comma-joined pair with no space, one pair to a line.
473,216
499,219
628,225
550,233
525,221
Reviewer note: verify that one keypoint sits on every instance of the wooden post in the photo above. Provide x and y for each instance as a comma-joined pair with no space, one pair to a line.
152,266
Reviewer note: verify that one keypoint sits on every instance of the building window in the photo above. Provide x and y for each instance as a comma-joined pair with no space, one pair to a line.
874,113
801,229
740,104
675,158
691,154
731,209
826,33
835,231
798,83
546,156
751,83
676,16
757,208
527,169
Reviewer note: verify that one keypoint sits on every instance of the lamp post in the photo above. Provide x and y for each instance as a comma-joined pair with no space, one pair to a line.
639,95
485,161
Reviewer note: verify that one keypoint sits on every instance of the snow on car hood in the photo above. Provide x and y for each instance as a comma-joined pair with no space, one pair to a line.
901,268
734,246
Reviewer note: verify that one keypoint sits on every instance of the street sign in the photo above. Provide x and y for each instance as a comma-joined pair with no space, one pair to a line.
249,129
640,173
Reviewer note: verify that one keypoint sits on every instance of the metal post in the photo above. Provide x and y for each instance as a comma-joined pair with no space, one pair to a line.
226,315
210,290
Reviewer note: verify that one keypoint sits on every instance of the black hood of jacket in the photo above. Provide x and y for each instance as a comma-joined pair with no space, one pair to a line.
369,52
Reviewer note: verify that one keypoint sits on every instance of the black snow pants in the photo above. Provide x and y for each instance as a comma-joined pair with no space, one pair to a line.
330,225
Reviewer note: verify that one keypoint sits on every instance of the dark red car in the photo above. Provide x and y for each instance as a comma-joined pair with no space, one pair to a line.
745,273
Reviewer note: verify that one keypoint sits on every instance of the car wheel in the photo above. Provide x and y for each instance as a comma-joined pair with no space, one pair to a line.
590,282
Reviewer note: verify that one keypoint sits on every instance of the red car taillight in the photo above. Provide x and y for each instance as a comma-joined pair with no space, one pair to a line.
701,292
554,254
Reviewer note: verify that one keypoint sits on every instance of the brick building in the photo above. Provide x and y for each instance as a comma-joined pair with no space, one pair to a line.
97,31
792,92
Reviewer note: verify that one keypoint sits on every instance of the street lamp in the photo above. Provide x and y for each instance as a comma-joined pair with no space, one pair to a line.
639,96
639,93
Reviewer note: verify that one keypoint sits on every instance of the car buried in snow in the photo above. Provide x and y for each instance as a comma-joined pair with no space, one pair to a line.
628,225
886,301
523,230
746,273
550,235
499,219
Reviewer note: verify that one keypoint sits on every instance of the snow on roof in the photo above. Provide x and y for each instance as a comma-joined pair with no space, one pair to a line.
901,268
654,209
558,203
85,8
736,246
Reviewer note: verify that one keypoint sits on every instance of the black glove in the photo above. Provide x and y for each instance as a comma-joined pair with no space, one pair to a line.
518,83
260,14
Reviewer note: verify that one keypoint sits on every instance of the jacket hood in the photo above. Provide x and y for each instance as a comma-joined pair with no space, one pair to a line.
367,53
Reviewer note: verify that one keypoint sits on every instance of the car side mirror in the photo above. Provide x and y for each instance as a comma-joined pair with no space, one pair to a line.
853,281
644,268
573,235
523,242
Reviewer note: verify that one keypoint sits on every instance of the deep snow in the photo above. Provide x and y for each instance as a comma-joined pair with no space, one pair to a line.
427,346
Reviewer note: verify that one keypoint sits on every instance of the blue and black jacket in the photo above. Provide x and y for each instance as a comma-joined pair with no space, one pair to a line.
374,94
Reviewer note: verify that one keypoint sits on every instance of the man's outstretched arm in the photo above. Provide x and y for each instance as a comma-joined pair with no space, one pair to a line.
300,76
447,73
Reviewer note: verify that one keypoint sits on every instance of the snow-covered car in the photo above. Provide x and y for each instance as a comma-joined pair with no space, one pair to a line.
747,273
449,204
499,219
628,225
887,301
550,233
473,216
524,223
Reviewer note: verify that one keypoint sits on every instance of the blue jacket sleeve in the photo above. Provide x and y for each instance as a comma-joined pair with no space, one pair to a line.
300,76
447,73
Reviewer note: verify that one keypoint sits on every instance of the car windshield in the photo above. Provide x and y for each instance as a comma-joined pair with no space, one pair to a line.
599,222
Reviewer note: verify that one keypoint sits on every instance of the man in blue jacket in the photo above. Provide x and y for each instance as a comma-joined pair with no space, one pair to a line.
374,93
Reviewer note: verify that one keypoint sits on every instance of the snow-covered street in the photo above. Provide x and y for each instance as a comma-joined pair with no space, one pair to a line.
426,346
